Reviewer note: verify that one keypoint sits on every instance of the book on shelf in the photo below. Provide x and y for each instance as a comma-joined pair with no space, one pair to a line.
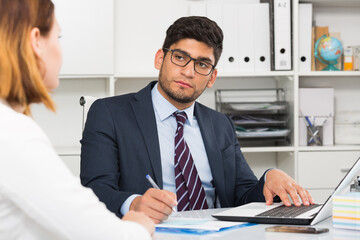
356,57
340,59
313,48
348,59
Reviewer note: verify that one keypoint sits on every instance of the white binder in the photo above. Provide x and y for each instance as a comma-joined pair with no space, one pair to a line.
261,32
246,48
282,34
230,55
305,33
214,12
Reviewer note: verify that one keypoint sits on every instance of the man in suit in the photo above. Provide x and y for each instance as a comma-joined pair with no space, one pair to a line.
190,150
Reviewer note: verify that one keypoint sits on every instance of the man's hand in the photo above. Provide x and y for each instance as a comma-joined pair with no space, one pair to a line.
155,203
279,183
140,218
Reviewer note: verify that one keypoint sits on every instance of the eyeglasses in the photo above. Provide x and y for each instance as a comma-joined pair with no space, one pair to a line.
182,59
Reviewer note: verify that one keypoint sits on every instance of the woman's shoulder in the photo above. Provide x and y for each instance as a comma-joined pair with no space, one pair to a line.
17,125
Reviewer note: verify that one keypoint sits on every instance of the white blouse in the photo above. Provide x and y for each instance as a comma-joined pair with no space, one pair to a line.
40,198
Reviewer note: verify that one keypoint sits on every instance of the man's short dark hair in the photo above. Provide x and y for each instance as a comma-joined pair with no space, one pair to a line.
201,29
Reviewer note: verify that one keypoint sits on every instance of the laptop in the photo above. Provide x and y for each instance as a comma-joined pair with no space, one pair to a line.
278,213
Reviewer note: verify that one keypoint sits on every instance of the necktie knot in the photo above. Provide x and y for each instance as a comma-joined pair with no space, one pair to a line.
180,117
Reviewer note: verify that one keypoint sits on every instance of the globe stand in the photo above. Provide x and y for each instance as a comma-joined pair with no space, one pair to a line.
330,67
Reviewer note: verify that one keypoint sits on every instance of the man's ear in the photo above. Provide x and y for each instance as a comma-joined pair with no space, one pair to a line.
159,57
212,78
35,38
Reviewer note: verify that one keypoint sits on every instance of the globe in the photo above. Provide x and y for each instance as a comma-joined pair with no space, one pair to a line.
328,50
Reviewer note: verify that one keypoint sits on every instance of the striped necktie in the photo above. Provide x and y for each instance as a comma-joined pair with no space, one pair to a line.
189,190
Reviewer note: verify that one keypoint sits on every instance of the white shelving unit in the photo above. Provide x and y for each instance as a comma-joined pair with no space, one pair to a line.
316,165
111,53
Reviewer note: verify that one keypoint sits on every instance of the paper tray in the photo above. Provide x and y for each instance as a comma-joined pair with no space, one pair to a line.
251,108
266,134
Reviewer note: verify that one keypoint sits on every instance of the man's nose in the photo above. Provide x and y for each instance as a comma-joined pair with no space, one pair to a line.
189,69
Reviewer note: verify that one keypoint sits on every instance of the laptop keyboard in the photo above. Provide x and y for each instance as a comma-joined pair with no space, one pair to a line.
283,211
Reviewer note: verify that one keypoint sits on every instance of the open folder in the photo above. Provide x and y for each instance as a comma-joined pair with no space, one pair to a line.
198,226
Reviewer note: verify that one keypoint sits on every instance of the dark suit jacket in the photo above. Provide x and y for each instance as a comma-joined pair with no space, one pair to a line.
120,146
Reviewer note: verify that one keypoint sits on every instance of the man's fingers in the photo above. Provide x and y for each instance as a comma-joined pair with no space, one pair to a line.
157,200
303,196
311,200
294,196
152,208
156,221
268,196
284,197
164,197
160,207
158,216
152,204
279,183
173,196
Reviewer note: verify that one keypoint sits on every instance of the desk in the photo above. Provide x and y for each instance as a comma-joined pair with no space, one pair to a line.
258,231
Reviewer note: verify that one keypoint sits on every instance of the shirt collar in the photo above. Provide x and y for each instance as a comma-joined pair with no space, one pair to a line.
165,109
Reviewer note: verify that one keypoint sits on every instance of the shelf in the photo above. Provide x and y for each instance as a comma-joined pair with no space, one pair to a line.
266,149
154,75
256,74
329,148
68,151
333,3
331,74
220,75
80,76
230,75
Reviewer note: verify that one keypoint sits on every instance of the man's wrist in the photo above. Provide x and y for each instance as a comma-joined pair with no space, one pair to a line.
125,207
266,172
134,202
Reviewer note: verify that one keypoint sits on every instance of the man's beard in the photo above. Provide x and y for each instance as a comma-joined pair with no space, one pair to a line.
178,96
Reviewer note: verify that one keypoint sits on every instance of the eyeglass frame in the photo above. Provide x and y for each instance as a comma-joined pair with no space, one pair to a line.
191,58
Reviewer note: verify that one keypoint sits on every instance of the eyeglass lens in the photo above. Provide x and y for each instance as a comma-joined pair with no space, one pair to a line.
182,59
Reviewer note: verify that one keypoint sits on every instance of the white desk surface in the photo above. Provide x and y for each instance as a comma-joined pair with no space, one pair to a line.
258,232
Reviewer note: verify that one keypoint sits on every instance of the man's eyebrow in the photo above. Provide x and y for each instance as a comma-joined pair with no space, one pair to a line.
205,59
182,51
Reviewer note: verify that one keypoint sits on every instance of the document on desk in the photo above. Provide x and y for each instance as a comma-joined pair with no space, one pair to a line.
197,225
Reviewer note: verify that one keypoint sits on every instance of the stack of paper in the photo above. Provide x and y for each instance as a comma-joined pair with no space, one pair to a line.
346,211
198,226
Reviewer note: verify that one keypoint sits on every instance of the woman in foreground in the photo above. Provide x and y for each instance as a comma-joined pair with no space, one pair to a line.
39,197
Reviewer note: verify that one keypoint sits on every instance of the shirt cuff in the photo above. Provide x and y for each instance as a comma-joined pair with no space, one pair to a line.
125,207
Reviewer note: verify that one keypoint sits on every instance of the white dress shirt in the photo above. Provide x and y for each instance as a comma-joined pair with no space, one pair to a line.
40,198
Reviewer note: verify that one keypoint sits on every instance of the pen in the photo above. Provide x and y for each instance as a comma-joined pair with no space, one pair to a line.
152,182
308,121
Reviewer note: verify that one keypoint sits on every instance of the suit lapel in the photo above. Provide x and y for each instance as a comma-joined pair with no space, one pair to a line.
212,150
145,117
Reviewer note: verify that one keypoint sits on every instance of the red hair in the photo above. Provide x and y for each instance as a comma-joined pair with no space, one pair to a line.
21,81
